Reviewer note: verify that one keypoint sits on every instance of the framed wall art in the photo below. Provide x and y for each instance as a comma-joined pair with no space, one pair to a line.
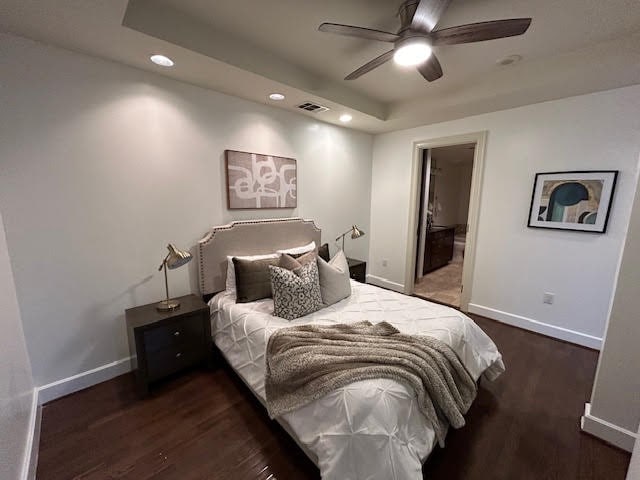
256,181
578,201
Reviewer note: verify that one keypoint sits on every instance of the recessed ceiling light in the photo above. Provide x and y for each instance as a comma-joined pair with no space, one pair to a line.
345,117
510,60
414,51
276,96
162,60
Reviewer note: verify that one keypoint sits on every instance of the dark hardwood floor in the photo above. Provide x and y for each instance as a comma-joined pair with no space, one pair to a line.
207,425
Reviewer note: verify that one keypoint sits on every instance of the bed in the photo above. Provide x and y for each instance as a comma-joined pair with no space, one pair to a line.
369,429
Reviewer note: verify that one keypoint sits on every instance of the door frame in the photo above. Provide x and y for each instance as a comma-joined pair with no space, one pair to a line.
425,182
480,139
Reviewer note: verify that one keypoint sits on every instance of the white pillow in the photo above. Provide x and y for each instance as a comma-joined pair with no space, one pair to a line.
298,250
335,284
231,271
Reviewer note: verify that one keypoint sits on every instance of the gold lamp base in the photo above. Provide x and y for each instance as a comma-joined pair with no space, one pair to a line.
167,305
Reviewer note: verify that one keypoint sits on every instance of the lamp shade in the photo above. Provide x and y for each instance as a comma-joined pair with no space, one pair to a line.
356,232
176,257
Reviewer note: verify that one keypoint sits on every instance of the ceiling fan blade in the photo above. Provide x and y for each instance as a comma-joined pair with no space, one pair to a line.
428,14
360,32
479,32
431,69
367,67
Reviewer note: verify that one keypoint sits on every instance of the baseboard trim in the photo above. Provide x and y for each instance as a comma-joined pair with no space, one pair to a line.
35,445
383,282
51,391
610,433
538,327
60,388
33,439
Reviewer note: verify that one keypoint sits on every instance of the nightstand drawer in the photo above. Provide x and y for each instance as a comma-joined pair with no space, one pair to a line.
172,359
166,342
185,330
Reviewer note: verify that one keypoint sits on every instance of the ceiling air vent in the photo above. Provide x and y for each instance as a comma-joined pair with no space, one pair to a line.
313,107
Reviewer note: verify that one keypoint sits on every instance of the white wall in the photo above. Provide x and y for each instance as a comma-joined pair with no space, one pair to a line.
515,265
452,186
16,384
102,165
446,187
615,400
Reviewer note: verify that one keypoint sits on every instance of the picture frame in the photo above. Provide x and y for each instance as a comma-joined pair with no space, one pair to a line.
573,200
259,181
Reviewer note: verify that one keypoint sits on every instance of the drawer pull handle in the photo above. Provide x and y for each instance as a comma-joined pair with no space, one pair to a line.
176,333
178,355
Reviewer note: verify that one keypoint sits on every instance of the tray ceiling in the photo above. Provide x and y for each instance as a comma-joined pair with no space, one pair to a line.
255,47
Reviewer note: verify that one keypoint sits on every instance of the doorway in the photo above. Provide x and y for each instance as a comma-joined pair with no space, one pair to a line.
443,222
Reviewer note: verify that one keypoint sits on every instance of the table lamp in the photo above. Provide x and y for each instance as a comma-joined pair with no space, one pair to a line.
355,233
174,259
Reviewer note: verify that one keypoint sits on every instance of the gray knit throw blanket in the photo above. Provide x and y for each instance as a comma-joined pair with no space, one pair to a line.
305,363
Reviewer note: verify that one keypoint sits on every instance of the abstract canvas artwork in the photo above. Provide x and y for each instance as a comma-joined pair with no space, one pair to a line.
260,181
572,200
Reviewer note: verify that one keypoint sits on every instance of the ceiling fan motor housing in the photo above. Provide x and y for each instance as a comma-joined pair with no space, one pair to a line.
412,37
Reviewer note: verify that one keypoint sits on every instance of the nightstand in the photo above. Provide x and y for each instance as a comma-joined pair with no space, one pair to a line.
167,342
357,270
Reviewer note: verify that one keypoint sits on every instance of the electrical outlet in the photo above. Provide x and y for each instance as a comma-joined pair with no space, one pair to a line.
548,298
385,262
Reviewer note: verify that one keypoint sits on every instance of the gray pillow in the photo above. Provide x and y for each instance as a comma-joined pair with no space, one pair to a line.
253,281
295,293
334,279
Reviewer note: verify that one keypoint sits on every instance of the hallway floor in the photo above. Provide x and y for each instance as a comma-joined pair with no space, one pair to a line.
442,285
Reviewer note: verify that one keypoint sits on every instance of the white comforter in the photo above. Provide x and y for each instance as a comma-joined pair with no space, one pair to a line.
370,429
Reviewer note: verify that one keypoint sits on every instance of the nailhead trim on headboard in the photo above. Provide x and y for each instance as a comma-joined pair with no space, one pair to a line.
210,236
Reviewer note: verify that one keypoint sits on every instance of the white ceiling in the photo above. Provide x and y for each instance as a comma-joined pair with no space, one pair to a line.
254,47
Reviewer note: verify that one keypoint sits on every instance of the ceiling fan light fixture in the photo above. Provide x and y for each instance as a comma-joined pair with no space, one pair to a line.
413,52
417,35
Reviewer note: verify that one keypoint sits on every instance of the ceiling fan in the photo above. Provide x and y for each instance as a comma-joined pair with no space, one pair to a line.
412,45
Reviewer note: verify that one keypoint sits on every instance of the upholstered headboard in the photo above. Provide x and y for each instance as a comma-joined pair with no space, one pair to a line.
248,237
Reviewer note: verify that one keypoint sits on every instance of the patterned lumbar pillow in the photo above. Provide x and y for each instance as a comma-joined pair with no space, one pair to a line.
334,279
295,293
